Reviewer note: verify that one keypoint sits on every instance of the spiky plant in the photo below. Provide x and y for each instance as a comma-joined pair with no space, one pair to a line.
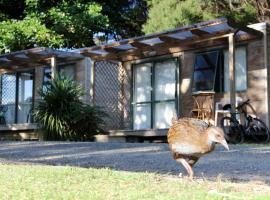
62,114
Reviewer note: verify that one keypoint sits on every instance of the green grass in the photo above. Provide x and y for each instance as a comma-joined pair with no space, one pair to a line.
51,182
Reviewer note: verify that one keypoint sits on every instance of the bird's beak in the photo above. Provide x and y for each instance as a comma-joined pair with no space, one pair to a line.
225,144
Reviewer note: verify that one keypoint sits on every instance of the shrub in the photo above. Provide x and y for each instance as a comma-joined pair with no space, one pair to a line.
63,115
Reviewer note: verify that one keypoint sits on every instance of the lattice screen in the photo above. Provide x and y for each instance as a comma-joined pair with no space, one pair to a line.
112,93
8,96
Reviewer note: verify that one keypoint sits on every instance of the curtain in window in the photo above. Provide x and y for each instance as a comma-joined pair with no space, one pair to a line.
240,70
142,93
154,94
164,91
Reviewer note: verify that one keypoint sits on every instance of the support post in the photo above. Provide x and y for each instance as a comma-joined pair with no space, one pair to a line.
53,66
92,82
122,93
232,70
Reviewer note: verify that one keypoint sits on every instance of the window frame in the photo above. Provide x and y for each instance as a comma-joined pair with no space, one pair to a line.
218,64
58,68
221,66
16,97
153,101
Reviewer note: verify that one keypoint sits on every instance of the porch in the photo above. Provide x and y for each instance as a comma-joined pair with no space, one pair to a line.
23,75
165,64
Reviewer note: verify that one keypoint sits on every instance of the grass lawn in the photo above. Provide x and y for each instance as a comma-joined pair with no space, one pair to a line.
55,182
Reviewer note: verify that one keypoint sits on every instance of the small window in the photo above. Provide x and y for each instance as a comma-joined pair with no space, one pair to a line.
67,70
205,71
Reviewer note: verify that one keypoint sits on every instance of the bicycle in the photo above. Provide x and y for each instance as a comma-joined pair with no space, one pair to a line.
235,132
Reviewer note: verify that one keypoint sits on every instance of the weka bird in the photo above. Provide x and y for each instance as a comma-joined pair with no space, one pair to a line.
191,138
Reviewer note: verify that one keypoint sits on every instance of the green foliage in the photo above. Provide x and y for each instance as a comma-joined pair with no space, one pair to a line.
27,33
174,13
244,14
63,115
169,14
77,22
125,17
71,24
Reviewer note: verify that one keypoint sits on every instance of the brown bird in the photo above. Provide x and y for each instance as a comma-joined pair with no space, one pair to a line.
191,138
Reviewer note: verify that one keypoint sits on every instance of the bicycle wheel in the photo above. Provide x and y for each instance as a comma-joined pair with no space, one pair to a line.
233,131
258,130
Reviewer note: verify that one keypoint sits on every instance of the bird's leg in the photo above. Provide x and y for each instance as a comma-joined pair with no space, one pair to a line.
187,166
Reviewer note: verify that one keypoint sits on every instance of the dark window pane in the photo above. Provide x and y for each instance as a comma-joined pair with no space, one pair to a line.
205,70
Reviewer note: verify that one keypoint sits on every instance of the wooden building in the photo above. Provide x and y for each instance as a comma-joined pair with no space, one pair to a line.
142,81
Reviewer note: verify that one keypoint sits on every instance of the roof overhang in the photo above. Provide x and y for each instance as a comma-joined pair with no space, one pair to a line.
35,57
196,36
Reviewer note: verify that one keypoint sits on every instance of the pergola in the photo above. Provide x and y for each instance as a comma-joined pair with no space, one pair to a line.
36,57
196,36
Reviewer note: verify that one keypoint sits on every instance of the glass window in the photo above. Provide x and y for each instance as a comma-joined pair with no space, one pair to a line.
204,71
142,87
67,71
25,95
16,97
155,96
240,70
64,70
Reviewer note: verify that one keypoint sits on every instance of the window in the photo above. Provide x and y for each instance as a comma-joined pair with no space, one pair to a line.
67,71
155,94
64,70
17,96
204,71
240,70
211,71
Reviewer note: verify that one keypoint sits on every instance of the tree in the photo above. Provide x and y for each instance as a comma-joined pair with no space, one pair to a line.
71,23
174,13
126,17
26,33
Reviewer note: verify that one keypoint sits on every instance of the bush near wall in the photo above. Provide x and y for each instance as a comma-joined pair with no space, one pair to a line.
63,116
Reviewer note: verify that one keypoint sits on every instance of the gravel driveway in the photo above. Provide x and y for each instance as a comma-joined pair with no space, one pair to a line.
240,163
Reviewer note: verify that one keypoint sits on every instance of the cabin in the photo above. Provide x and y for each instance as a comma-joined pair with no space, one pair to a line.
141,82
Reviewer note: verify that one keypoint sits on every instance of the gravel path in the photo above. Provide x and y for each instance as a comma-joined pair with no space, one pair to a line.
241,163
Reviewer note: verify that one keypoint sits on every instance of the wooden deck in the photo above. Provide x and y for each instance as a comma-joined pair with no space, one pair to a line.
25,131
150,135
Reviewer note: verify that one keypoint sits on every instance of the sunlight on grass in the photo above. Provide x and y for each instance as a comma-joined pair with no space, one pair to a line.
50,182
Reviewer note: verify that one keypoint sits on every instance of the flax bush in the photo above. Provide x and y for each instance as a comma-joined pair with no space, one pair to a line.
63,116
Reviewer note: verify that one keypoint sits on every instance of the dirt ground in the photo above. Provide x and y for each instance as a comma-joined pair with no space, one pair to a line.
241,163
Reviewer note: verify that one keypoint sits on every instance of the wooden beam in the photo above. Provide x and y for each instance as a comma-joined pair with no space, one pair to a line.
199,32
113,50
15,58
168,39
232,70
140,45
245,28
38,56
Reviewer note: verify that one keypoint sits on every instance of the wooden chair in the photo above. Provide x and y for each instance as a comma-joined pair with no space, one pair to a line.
203,105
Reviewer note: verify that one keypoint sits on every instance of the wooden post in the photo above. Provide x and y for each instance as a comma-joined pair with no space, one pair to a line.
53,66
122,93
92,82
232,70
